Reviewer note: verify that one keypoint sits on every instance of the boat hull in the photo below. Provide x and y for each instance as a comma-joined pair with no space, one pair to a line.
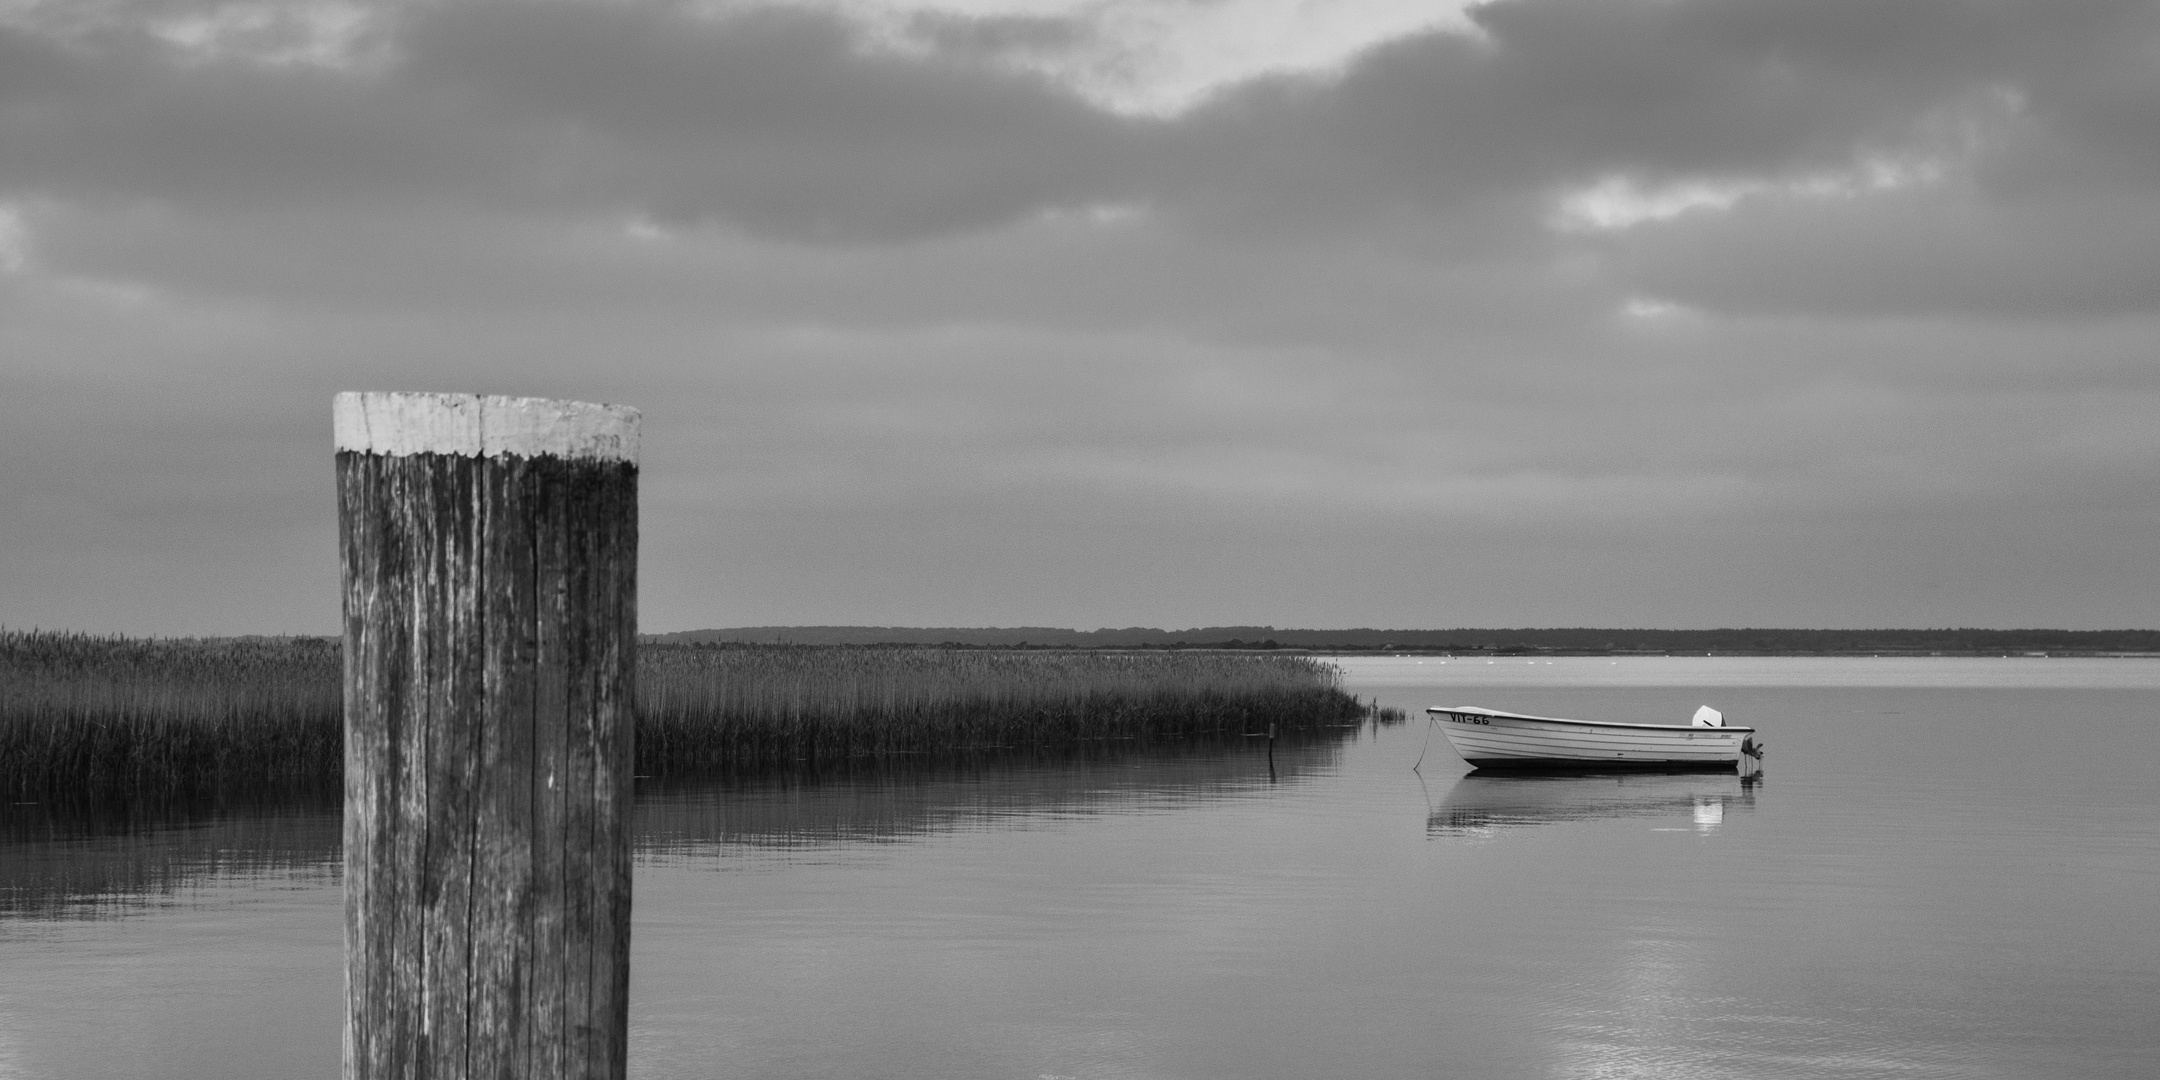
1574,766
1502,742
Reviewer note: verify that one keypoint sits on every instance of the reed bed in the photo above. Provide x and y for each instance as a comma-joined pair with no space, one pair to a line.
703,707
95,717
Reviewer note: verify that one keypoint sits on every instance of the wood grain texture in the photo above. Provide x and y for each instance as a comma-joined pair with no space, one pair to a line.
490,637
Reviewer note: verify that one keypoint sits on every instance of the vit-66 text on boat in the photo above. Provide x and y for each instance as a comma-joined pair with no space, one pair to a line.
1494,740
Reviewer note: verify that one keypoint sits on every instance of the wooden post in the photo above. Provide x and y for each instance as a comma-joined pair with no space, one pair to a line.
489,548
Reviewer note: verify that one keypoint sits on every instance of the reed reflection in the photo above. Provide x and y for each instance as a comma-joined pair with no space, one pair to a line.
102,858
1479,804
94,859
890,799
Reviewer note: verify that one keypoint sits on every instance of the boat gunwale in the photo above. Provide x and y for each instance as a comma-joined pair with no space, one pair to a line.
1472,710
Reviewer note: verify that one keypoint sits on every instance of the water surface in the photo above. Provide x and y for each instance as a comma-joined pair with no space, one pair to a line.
1951,869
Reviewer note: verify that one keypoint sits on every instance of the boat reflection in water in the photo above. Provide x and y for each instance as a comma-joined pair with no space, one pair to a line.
1481,803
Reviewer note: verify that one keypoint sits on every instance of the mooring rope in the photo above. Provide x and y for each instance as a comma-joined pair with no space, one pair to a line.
1429,723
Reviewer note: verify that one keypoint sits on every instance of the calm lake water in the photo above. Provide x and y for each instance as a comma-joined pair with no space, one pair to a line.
1950,869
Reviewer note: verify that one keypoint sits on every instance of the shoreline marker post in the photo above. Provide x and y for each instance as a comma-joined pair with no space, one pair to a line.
489,555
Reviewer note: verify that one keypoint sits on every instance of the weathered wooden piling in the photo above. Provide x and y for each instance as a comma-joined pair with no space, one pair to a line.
489,548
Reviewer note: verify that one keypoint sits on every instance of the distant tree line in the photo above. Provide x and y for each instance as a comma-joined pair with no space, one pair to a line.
1505,642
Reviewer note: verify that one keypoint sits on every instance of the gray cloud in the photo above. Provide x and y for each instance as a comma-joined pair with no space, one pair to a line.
924,337
1908,254
2038,120
775,121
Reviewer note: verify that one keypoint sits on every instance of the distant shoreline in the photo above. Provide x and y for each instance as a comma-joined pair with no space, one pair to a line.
2035,644
1575,641
2059,654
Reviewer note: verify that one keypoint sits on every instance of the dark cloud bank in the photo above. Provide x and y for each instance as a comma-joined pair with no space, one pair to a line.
1666,312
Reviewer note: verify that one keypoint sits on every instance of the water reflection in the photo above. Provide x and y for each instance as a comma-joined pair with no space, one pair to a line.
1896,911
1479,804
895,799
101,859
97,859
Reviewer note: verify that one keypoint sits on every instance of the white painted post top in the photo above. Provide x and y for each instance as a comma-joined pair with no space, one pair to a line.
472,425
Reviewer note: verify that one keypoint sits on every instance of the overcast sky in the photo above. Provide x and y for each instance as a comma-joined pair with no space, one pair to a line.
1646,313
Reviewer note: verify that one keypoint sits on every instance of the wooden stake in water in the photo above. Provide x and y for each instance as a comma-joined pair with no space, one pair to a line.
490,574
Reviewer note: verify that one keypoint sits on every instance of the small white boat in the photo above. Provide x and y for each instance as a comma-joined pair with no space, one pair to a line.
1489,739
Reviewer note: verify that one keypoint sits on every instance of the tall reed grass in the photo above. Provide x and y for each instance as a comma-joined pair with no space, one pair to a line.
730,705
93,717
